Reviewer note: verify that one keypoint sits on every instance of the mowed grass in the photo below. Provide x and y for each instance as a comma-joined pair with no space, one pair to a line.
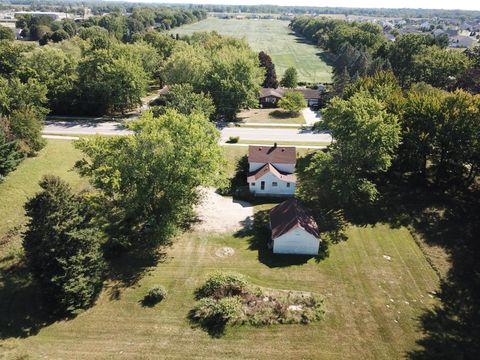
275,38
57,158
371,305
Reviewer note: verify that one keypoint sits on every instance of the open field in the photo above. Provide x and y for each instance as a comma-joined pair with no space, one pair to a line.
372,302
275,38
269,116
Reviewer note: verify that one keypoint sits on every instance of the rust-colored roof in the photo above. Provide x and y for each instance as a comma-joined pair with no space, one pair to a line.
272,154
269,168
290,215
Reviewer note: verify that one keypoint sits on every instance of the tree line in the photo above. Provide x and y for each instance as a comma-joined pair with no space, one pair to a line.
124,28
361,49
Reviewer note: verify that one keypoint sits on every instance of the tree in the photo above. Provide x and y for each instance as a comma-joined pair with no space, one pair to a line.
11,55
110,82
270,73
59,35
292,101
22,104
234,80
61,247
187,64
290,78
6,33
184,100
10,157
366,137
57,70
439,67
341,79
151,180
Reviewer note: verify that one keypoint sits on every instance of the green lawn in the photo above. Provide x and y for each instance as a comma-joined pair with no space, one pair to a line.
269,116
372,304
275,38
57,158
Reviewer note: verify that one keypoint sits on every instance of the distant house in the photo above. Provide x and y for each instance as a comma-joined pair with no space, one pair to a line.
271,170
294,230
269,96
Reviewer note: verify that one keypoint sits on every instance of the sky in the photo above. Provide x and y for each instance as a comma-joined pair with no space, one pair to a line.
425,4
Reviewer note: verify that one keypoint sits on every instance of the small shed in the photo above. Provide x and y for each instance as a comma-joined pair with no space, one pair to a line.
294,230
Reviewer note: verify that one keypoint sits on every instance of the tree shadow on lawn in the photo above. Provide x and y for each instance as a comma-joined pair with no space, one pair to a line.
127,269
22,310
444,216
281,114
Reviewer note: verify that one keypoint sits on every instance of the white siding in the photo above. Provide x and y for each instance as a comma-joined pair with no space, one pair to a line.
288,168
282,189
296,241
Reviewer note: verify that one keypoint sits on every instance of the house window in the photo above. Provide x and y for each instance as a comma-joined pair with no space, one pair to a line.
253,184
274,184
262,185
288,184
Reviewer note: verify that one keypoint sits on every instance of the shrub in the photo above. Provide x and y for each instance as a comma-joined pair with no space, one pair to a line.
155,294
233,139
220,285
209,311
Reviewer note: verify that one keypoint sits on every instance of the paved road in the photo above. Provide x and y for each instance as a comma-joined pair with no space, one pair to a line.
84,128
275,134
116,128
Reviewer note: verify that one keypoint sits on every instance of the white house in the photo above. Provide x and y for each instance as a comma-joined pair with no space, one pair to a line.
294,231
271,170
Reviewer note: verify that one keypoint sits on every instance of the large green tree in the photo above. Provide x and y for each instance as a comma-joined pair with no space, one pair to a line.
110,81
234,80
439,67
151,180
61,247
366,137
292,101
184,100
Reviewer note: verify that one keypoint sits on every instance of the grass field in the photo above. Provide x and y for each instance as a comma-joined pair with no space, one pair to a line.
372,303
275,38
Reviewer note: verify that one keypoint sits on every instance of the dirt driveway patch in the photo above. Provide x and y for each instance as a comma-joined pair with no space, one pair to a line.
222,214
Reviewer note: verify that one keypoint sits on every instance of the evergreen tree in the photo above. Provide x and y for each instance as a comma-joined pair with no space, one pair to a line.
9,156
62,248
270,73
340,82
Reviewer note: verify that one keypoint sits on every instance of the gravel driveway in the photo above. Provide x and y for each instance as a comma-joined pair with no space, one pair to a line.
222,214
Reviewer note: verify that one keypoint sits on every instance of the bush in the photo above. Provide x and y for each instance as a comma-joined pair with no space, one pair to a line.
220,312
155,294
220,285
233,139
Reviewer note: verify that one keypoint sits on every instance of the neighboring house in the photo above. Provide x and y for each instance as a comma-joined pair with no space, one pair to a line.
269,97
462,41
271,170
294,230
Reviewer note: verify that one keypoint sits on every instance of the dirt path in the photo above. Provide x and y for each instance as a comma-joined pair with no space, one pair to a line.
222,214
